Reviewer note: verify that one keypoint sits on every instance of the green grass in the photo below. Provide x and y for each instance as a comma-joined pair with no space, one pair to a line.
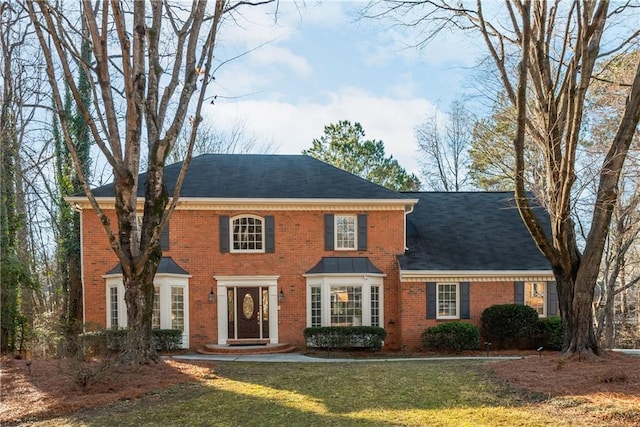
411,393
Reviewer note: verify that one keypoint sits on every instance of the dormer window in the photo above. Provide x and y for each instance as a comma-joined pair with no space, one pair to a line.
247,234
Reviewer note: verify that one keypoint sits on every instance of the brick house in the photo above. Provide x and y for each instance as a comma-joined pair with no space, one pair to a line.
262,246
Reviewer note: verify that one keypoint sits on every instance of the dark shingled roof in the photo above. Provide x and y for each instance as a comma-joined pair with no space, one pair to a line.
345,265
167,266
470,231
264,176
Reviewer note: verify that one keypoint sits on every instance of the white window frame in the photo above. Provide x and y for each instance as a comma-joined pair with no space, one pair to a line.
232,234
336,241
163,281
326,282
457,293
527,297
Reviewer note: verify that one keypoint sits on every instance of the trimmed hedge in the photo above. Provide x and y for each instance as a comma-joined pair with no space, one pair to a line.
550,331
99,342
505,322
455,336
345,337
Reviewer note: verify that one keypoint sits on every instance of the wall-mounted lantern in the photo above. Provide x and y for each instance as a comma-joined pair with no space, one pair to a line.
212,296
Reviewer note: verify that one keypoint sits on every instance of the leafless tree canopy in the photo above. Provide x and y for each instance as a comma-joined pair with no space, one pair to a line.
546,54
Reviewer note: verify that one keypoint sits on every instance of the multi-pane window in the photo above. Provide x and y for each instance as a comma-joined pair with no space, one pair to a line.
346,305
248,234
345,232
447,301
345,301
375,306
316,307
177,308
113,299
535,296
155,317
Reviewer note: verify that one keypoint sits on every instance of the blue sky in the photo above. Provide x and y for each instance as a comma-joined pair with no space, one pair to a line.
319,64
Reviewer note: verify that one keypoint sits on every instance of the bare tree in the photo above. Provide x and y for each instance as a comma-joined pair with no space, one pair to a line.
152,63
545,54
233,140
444,144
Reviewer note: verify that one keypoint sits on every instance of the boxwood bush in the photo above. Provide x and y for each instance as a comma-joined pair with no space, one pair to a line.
506,322
550,331
345,337
456,336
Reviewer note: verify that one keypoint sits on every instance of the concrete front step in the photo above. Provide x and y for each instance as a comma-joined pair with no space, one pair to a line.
246,349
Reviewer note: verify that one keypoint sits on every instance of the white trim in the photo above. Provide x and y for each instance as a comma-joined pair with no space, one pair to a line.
325,282
545,295
476,275
231,234
225,282
457,315
165,282
82,269
275,204
355,232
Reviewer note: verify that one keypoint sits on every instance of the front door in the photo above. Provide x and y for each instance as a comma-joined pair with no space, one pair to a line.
248,313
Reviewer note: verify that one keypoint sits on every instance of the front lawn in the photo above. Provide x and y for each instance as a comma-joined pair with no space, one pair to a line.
411,392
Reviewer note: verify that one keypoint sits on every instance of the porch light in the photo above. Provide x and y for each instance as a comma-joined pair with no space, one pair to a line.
212,296
281,296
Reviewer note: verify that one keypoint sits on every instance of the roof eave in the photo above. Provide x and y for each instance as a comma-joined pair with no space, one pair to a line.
476,275
204,202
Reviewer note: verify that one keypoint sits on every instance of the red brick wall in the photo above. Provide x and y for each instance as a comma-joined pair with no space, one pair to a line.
299,241
414,307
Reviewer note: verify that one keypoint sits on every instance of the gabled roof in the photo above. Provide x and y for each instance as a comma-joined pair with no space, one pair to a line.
466,231
345,265
264,176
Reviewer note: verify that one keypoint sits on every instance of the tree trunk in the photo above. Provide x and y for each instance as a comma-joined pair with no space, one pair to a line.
575,297
139,292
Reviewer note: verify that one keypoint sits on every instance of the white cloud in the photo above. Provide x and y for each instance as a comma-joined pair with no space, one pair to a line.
274,55
293,126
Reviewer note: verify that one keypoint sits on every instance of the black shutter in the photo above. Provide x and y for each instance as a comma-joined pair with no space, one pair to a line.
164,238
519,293
362,232
224,233
269,234
328,232
552,299
431,300
465,312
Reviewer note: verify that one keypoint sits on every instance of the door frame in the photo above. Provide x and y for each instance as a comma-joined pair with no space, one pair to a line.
225,282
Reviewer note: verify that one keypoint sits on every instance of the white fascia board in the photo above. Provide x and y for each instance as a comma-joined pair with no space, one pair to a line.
407,275
204,202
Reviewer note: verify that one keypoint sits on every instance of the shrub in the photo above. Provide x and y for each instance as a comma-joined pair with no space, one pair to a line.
455,336
504,322
167,339
344,337
99,342
550,330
